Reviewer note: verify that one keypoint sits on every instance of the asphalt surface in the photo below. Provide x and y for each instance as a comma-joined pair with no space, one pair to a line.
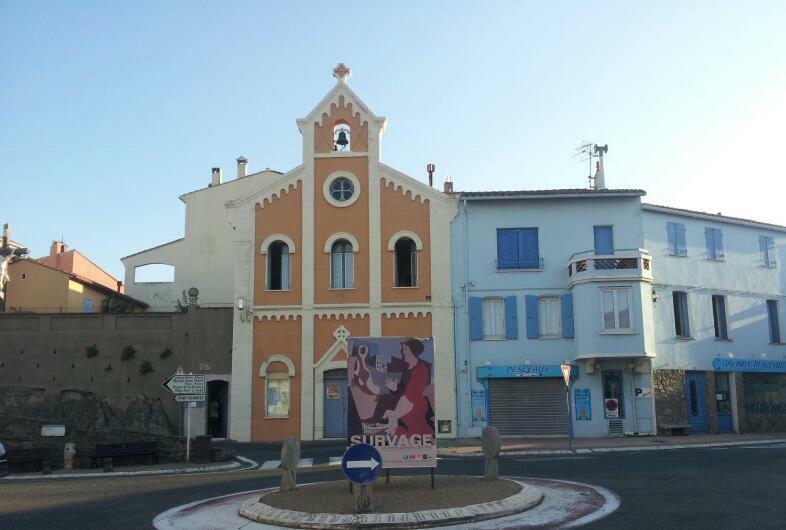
741,487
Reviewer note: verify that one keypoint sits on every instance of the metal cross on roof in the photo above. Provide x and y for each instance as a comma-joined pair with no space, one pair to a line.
342,72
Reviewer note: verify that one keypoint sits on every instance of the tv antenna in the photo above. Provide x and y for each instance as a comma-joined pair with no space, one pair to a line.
587,152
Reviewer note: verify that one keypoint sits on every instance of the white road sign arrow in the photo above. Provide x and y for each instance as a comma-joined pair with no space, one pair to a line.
183,383
371,464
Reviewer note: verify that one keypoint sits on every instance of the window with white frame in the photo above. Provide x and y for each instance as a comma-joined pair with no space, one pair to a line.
342,265
277,396
615,308
278,266
549,324
493,318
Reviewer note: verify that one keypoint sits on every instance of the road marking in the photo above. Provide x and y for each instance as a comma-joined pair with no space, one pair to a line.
270,464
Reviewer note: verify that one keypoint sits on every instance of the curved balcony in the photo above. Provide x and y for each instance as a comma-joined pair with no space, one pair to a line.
624,264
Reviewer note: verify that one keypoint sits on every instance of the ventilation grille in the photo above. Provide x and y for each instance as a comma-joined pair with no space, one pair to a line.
615,428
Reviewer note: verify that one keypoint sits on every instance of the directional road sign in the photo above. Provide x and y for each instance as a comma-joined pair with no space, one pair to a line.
361,463
181,383
190,397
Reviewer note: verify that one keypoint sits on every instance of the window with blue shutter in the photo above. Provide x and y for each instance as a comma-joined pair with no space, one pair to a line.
531,303
675,233
775,323
566,302
517,248
604,240
475,318
767,251
511,318
714,240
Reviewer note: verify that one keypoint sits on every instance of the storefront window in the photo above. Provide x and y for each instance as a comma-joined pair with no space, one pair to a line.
612,390
765,393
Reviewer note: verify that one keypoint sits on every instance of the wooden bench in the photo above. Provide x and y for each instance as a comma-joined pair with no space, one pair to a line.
676,428
124,450
21,460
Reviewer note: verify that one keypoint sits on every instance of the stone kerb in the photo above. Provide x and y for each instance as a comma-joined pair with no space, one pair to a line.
527,498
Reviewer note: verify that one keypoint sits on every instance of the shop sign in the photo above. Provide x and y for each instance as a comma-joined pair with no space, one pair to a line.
527,370
642,392
748,365
391,380
583,404
478,406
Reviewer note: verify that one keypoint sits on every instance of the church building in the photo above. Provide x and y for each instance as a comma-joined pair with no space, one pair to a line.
340,246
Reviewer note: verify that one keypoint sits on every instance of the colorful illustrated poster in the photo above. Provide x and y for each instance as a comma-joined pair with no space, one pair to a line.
583,407
391,399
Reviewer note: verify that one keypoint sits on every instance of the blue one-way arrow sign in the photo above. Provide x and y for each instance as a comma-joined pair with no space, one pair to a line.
361,464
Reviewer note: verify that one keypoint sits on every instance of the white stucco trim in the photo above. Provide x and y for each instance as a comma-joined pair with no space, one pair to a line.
404,233
341,235
347,175
277,359
269,240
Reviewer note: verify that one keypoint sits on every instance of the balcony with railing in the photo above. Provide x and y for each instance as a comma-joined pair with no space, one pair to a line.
623,264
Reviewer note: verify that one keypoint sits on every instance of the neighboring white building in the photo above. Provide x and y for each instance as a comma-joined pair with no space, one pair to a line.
204,257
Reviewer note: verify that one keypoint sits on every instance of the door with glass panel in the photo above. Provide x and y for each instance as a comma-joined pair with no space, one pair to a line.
696,401
723,402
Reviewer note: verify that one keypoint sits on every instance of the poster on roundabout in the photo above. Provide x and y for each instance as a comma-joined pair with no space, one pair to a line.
391,399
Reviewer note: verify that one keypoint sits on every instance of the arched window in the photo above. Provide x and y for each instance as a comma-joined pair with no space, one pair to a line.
406,256
278,266
342,265
341,137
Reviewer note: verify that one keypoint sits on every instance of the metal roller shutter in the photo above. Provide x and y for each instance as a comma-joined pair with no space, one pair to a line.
528,407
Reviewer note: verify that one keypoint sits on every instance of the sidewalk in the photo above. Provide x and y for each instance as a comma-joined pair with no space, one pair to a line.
131,471
471,446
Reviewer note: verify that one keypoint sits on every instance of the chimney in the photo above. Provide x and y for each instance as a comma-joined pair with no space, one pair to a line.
58,247
119,286
430,170
600,178
218,176
448,186
242,164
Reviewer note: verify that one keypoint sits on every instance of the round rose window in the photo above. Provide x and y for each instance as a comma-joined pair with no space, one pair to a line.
342,189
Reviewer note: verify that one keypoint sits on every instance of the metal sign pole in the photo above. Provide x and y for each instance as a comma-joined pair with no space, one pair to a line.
188,433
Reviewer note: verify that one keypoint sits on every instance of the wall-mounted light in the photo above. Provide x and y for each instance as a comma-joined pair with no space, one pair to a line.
244,309
654,295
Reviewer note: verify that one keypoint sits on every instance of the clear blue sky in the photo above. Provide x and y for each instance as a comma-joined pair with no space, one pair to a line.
111,110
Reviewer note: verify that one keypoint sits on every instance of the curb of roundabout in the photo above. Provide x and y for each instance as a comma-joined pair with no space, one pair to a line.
541,503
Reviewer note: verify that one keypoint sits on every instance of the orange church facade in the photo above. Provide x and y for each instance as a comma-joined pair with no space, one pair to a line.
340,246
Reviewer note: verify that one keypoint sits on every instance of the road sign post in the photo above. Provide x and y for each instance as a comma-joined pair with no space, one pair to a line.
362,464
188,389
566,368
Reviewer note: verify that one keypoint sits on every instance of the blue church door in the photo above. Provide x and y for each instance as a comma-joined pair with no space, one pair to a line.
697,401
335,400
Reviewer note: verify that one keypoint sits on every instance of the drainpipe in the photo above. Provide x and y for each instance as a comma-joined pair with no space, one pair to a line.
466,312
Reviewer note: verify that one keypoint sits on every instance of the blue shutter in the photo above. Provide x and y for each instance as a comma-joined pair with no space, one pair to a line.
566,302
511,318
530,254
604,241
709,238
682,246
532,316
718,236
507,248
671,235
475,318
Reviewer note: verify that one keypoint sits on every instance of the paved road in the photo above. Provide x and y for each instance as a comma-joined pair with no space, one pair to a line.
692,488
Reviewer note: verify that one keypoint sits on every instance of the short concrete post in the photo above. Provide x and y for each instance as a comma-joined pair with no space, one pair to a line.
363,500
491,443
290,456
108,467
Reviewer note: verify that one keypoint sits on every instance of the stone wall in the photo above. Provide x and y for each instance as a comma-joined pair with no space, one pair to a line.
101,375
669,397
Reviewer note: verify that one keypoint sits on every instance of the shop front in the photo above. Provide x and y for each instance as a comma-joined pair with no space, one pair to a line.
758,389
